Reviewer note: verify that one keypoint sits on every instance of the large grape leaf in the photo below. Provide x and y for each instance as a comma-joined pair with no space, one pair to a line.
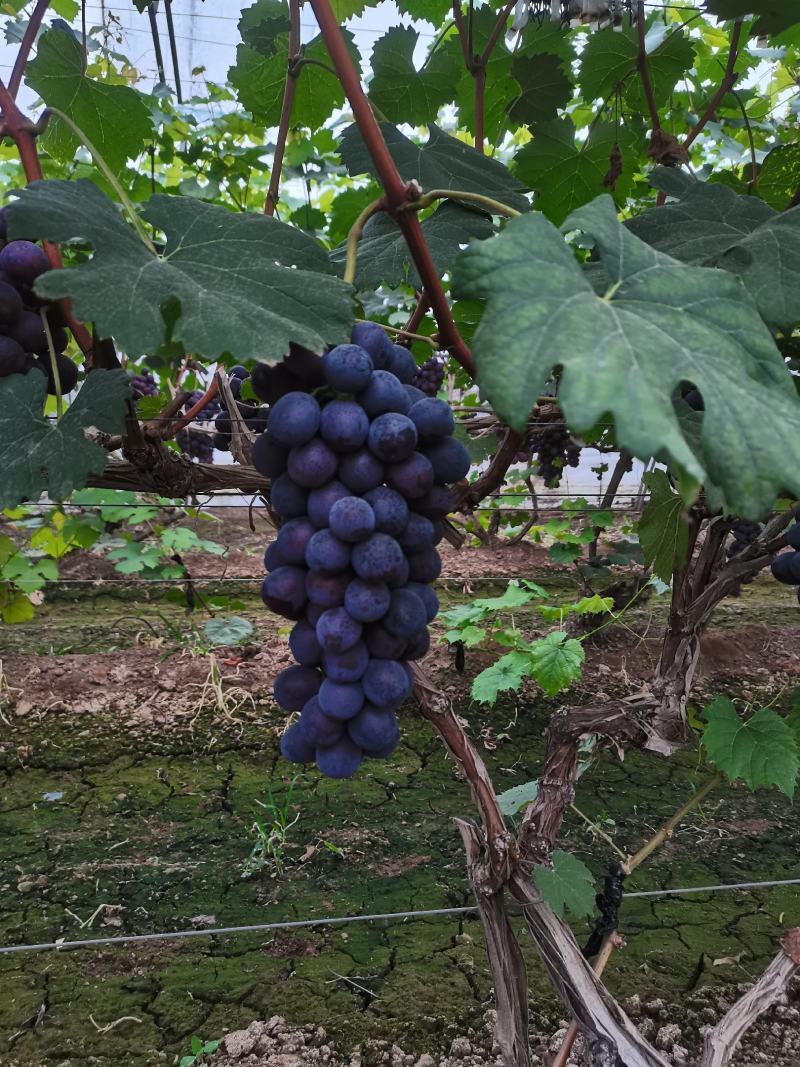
556,661
624,353
566,174
610,56
714,225
443,163
774,16
219,267
500,88
544,88
383,253
262,23
400,91
433,11
663,530
761,750
115,118
567,884
39,455
259,80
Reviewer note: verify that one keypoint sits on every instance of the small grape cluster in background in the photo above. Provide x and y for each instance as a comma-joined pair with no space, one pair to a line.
360,473
254,416
430,375
23,340
744,534
786,565
198,442
143,383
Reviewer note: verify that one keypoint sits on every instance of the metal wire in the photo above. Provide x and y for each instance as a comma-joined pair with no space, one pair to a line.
174,935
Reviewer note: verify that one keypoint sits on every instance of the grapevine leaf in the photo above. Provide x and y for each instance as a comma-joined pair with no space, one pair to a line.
15,607
28,573
500,88
398,89
715,226
761,750
594,605
544,88
346,208
774,16
610,56
663,531
443,163
507,673
433,11
515,596
228,630
567,884
519,796
779,175
218,267
468,635
259,80
556,661
39,456
659,323
566,553
115,118
262,23
547,36
565,174
383,255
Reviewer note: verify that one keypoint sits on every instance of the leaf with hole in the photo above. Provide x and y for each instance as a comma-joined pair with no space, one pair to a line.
623,354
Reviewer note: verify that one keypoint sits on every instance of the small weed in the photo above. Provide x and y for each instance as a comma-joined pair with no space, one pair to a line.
200,1049
270,835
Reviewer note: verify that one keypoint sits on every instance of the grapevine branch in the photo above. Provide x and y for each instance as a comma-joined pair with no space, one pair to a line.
292,71
394,186
25,46
728,78
467,495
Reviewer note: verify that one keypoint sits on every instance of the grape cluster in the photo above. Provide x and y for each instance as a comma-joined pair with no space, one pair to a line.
744,534
23,340
555,449
430,375
143,384
359,475
786,565
197,442
255,417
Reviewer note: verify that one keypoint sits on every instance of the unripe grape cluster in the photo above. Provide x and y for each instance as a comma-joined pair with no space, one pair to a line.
360,473
786,565
23,339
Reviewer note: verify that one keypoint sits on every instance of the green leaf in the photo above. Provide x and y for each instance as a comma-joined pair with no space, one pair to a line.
566,174
715,226
15,608
774,16
564,553
469,635
663,530
519,796
383,255
544,88
433,11
262,23
259,81
398,89
515,596
443,163
556,661
779,176
594,605
761,750
610,56
37,455
218,267
567,884
115,118
230,630
507,673
28,573
346,208
624,354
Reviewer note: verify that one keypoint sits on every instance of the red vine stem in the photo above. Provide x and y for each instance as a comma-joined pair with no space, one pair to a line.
417,315
480,97
494,36
292,71
396,191
16,126
642,67
25,46
728,78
